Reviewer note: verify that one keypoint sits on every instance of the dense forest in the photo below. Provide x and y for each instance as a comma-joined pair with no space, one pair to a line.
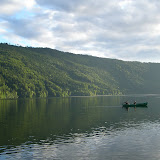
43,72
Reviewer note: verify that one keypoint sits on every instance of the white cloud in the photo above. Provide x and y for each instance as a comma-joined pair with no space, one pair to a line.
8,7
124,29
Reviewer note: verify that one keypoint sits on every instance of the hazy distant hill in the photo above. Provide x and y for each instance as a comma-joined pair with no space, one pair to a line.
41,72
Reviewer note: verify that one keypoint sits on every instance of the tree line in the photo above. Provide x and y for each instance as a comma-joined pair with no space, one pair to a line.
43,72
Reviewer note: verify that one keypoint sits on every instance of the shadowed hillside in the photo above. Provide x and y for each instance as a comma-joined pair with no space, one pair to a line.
43,72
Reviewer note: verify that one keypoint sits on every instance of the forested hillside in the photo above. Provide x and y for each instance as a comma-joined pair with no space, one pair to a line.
43,72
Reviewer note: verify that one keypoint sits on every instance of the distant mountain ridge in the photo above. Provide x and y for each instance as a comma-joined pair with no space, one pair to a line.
43,72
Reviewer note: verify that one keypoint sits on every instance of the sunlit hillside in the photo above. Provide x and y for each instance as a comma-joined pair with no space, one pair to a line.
43,72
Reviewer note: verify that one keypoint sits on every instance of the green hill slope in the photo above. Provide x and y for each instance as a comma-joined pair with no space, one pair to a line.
44,72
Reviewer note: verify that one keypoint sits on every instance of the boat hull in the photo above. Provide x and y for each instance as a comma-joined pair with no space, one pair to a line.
136,105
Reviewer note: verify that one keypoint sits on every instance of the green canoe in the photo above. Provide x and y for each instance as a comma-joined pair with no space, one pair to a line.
136,105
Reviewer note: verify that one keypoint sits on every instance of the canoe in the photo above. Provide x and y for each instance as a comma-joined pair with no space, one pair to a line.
136,105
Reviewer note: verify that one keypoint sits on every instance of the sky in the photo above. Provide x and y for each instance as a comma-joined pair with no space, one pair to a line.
119,29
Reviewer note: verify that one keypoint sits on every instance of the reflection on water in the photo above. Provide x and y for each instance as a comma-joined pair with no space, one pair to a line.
79,128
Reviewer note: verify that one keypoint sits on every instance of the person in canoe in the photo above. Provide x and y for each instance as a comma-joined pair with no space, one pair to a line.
135,105
126,102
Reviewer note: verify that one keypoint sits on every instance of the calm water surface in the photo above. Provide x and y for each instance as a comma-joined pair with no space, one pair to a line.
80,128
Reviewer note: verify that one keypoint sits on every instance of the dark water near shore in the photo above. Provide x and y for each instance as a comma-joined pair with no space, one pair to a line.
80,128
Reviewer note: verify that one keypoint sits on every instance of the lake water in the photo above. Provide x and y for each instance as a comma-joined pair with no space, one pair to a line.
78,128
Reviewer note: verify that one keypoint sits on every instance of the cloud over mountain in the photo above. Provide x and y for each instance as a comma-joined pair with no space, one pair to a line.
123,29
